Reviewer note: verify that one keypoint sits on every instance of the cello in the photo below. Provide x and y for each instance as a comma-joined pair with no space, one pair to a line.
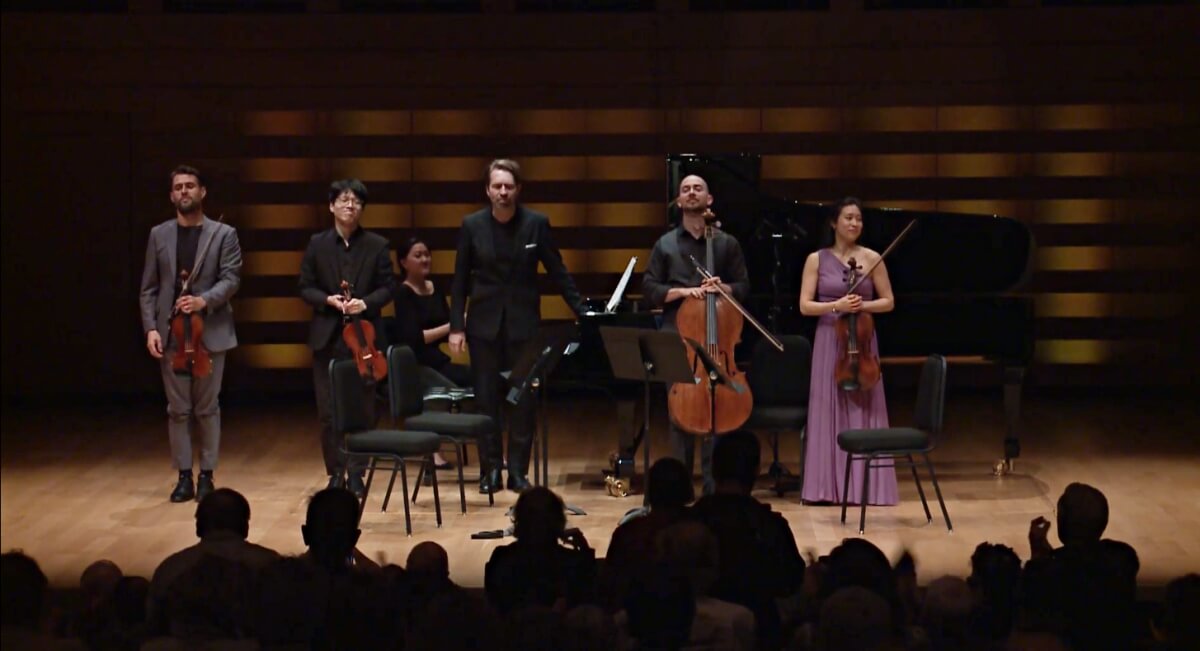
716,320
855,369
187,330
359,336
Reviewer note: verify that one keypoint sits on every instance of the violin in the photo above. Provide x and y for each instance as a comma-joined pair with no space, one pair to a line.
717,320
359,336
855,369
187,330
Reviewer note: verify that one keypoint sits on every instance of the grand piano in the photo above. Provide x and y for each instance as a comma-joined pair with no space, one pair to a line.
958,281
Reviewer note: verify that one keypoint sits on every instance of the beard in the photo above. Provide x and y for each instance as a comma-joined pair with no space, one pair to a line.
187,206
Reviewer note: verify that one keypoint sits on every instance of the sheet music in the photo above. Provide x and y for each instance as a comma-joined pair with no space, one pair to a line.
616,297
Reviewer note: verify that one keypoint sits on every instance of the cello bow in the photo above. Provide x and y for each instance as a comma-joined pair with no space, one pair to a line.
732,301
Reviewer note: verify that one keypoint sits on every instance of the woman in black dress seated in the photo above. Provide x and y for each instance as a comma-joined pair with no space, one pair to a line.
423,322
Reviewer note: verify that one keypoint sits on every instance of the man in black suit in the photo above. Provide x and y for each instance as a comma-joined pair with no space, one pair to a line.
499,248
344,252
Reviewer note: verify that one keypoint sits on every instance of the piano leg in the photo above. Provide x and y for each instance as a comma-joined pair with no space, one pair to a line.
1014,377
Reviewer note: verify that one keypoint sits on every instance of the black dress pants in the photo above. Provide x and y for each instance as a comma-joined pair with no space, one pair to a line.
488,359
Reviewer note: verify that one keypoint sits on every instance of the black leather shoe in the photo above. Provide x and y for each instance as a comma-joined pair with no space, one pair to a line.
518,483
204,484
354,483
184,490
491,482
336,481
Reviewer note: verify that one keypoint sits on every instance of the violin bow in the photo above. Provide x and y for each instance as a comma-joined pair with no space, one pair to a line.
187,282
867,273
732,301
200,259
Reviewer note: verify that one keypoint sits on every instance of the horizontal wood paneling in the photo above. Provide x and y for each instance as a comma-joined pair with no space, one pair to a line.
1084,124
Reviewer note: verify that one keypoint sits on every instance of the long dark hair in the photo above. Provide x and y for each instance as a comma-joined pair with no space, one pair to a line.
827,239
405,249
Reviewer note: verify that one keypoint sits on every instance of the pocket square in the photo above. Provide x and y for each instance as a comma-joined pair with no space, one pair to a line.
531,245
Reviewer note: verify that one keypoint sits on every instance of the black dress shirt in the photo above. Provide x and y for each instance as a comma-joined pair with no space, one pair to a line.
670,267
186,244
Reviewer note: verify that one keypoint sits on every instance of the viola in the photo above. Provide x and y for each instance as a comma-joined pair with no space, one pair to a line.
855,369
717,320
359,336
187,330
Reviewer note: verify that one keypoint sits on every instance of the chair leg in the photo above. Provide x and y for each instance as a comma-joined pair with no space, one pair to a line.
862,518
367,489
460,451
920,491
437,500
391,484
846,486
404,488
938,491
776,471
492,490
417,484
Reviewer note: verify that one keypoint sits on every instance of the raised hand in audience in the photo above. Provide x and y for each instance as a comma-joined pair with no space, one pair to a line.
1039,545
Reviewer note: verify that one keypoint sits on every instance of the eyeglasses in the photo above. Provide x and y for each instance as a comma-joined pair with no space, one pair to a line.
348,201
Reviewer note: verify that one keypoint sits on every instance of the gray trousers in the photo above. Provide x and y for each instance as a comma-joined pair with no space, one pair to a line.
193,400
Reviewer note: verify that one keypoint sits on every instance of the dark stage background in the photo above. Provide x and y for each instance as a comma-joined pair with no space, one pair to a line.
1081,121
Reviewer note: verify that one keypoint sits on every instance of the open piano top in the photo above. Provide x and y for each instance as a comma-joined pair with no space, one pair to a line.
958,278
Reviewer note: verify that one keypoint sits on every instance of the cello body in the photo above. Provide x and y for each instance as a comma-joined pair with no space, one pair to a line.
716,324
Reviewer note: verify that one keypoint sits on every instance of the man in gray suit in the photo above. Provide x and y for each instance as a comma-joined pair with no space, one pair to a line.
210,253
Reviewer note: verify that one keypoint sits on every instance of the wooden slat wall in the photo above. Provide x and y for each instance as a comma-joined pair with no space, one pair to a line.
1081,122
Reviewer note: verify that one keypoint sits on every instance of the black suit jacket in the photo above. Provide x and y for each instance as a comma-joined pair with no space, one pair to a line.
515,297
320,276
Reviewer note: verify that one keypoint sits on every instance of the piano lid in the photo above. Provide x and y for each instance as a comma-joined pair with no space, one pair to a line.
956,276
945,253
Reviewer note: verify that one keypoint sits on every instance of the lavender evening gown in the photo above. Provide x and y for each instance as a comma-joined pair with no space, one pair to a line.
831,410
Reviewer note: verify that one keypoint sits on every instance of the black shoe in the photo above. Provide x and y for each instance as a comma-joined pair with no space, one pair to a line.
518,483
204,485
184,490
336,481
490,482
354,483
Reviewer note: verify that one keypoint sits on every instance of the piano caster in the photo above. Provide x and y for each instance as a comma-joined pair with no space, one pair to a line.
1002,467
617,486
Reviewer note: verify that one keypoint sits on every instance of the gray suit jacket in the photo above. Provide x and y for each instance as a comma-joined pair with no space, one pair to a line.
219,276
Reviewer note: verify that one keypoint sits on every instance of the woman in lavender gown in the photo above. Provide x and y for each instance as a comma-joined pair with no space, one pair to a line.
831,409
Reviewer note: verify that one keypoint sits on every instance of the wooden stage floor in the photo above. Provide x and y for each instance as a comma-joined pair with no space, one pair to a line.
81,484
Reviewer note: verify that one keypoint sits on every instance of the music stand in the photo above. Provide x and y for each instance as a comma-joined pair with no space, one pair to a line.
716,375
537,361
648,356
